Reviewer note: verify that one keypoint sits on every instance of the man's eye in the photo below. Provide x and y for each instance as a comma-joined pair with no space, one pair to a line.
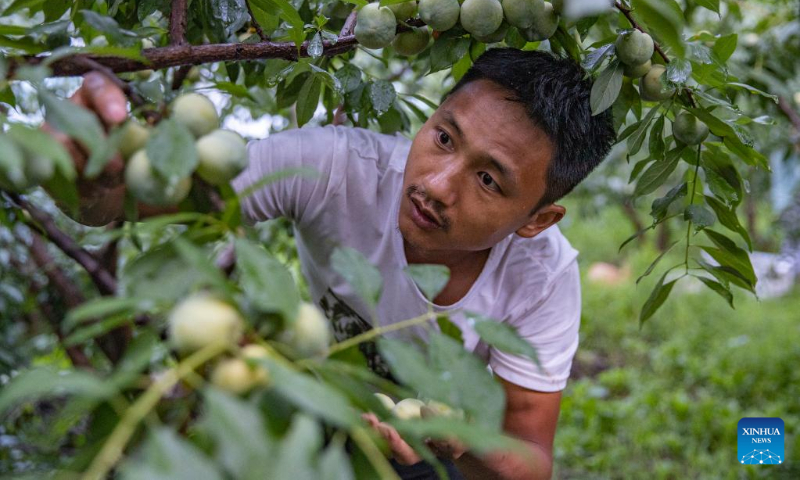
487,180
444,138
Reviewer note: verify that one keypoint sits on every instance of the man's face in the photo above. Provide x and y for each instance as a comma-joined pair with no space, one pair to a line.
478,165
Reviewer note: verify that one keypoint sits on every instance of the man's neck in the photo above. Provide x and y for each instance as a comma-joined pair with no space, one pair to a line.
459,262
465,267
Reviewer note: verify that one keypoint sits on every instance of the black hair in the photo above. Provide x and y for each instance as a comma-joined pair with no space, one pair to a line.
555,92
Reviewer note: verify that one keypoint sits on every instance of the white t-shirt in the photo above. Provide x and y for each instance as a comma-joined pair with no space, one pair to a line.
532,284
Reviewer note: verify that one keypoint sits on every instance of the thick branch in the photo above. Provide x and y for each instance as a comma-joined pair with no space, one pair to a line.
179,55
177,22
254,23
349,24
104,281
75,353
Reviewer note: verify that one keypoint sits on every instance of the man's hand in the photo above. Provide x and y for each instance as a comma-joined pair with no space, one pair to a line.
530,416
402,451
101,199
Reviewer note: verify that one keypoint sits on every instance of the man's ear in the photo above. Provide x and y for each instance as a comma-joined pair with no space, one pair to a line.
542,220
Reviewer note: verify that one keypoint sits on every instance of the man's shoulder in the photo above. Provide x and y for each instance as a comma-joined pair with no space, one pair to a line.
530,268
549,252
343,139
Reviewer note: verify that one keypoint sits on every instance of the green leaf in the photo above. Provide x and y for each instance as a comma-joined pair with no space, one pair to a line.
75,121
656,298
727,275
160,274
721,289
679,71
754,90
287,11
605,89
503,337
712,5
104,153
665,19
295,458
655,262
658,173
727,217
45,382
447,327
238,431
308,99
730,139
239,91
166,455
734,256
102,307
266,282
110,27
12,163
699,215
311,395
171,151
364,277
477,437
431,279
40,143
636,140
381,95
469,384
725,46
594,58
661,205
412,369
446,51
349,76
33,6
334,464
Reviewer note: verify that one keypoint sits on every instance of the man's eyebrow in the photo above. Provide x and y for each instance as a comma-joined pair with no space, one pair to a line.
505,172
449,118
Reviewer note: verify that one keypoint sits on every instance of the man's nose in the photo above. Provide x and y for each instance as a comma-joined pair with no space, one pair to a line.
444,183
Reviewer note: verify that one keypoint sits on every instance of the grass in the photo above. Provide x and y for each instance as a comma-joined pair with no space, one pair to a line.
664,401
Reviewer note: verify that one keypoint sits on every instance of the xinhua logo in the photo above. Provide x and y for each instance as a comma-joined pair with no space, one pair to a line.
761,441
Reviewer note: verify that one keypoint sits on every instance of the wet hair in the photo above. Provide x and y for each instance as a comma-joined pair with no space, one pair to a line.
555,93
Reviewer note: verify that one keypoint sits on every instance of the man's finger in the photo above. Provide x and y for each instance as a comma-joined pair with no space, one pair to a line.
106,99
401,450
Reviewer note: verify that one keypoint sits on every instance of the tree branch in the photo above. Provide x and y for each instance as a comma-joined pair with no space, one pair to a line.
787,110
55,275
104,281
254,22
349,24
177,22
179,55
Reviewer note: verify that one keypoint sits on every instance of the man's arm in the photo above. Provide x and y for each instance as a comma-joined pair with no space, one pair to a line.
530,416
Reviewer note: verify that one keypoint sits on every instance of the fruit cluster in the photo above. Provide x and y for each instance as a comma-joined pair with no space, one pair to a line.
222,154
634,50
202,321
487,21
412,408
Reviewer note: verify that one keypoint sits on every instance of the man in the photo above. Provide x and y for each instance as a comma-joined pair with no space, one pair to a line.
474,191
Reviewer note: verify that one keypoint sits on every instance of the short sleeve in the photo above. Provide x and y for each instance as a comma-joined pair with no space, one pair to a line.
291,195
551,327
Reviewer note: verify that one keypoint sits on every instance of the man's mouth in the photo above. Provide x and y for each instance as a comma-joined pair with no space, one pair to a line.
426,218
